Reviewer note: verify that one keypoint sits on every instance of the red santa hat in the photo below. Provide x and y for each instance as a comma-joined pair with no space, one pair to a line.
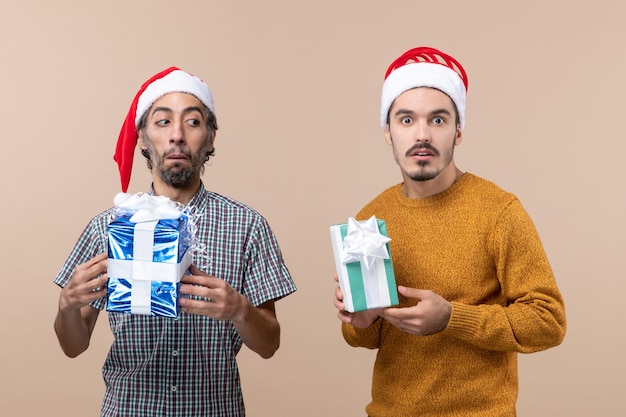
171,80
424,67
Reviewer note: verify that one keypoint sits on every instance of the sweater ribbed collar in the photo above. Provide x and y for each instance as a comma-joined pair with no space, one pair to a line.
436,198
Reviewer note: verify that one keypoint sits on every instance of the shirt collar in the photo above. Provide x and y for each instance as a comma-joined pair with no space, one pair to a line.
198,201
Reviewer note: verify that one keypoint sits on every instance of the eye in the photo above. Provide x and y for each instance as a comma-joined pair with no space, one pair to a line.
406,120
162,122
193,122
438,120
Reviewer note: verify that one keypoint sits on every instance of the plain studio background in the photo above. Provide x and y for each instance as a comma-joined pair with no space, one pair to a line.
297,90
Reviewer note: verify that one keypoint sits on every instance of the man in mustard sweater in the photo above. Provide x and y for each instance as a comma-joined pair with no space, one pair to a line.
474,282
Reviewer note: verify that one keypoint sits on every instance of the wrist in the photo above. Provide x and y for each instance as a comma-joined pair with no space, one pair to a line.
242,310
66,307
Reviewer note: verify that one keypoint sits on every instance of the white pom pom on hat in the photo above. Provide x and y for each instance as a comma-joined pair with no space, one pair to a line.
424,67
171,80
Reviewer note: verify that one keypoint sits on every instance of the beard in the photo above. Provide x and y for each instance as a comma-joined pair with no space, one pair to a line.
424,171
176,176
423,174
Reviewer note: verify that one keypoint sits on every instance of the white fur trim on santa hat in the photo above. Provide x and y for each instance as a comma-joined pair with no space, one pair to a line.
423,74
175,82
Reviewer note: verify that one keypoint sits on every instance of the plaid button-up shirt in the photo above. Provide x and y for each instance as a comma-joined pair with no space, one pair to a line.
186,366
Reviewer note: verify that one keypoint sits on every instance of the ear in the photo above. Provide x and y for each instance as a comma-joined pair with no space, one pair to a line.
459,136
140,140
388,135
212,139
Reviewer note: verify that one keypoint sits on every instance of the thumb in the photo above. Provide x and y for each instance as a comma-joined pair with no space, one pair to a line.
195,271
412,292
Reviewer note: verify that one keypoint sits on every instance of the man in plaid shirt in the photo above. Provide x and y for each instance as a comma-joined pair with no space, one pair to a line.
183,366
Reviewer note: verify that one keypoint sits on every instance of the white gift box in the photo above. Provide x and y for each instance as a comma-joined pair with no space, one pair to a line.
363,263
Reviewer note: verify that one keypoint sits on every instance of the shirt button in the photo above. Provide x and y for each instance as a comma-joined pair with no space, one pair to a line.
174,352
174,388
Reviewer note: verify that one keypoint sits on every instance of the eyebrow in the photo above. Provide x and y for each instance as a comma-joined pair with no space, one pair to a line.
401,112
185,111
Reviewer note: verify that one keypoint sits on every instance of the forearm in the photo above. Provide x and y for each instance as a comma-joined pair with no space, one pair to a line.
528,315
72,331
259,328
520,327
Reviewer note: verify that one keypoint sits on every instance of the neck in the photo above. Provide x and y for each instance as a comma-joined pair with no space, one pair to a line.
424,189
180,195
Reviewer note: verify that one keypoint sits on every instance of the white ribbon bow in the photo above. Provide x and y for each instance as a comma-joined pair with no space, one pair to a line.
146,207
364,243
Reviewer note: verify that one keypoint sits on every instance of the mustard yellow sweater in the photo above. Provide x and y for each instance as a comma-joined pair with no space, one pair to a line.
475,245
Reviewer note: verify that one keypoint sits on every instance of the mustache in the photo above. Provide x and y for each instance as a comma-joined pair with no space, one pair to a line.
177,150
422,146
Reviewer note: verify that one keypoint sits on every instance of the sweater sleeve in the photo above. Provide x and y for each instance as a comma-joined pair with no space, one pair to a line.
367,338
531,316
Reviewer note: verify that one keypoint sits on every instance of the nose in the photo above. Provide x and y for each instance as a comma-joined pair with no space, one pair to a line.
177,133
422,131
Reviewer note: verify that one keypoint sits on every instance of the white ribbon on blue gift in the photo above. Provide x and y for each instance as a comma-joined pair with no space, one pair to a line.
147,207
141,270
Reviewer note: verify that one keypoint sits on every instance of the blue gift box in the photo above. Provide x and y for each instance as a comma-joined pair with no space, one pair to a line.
145,265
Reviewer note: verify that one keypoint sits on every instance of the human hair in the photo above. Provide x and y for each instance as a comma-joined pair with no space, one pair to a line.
211,121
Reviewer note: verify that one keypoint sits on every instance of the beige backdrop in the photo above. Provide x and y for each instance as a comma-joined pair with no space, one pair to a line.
297,88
